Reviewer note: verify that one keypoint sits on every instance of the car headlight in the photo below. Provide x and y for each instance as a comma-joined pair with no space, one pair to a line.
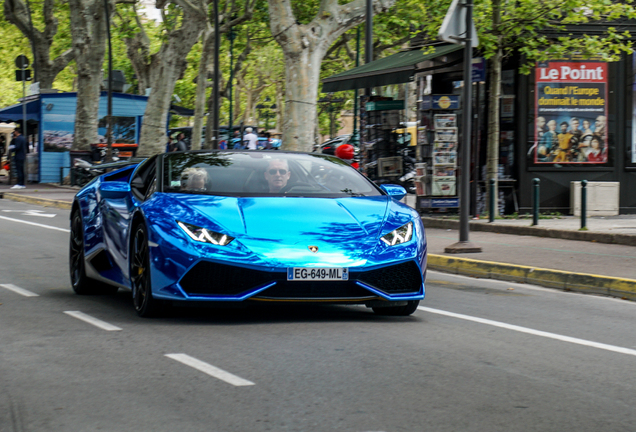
204,235
399,235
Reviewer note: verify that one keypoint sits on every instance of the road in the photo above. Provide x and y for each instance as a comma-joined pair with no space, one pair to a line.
479,355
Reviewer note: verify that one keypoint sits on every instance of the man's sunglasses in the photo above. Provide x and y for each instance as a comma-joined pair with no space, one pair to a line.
281,171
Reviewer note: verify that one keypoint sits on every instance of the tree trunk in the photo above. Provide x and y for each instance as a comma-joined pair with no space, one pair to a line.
302,75
138,51
166,67
304,47
88,30
202,79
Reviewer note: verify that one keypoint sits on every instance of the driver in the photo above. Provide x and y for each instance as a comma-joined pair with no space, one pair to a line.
277,175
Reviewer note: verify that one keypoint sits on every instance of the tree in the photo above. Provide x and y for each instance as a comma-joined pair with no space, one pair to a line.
46,69
304,47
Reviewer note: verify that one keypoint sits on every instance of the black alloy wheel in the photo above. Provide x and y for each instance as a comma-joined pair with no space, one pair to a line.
81,283
145,304
405,310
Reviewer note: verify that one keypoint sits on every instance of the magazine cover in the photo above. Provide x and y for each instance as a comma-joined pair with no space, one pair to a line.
446,134
443,146
445,121
445,158
444,186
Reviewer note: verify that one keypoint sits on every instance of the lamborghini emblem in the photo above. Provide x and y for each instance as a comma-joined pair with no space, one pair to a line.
314,249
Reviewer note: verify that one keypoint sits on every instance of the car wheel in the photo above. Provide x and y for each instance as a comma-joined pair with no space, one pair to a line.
406,310
145,304
81,283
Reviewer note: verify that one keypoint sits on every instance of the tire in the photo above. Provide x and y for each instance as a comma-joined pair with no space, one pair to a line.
145,304
82,284
406,310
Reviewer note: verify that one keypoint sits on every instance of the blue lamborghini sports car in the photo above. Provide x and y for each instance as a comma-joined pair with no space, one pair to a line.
232,226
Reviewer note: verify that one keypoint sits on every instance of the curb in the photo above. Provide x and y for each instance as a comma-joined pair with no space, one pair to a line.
579,282
621,239
39,201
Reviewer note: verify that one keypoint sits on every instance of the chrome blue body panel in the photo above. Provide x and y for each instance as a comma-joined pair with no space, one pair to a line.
271,234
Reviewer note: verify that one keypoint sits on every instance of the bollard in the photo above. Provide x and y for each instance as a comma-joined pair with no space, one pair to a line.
535,201
491,201
583,204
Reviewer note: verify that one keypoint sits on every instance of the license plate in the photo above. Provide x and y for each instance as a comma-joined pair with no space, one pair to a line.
314,274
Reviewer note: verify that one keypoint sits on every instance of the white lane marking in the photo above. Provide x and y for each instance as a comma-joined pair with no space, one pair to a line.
94,321
31,213
35,224
527,330
19,290
210,370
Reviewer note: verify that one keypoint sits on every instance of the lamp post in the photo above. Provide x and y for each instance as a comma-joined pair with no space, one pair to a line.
355,137
231,36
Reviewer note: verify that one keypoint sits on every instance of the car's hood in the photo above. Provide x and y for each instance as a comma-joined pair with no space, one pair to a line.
282,229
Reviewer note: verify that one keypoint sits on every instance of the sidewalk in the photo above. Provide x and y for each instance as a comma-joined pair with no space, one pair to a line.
554,254
45,194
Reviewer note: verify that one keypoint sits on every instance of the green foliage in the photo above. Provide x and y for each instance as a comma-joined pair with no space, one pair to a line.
11,89
543,29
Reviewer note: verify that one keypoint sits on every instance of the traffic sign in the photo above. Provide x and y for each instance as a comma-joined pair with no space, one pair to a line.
453,28
22,62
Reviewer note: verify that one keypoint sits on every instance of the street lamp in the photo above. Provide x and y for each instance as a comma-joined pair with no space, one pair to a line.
231,36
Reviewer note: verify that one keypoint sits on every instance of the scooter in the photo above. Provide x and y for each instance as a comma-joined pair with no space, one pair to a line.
84,171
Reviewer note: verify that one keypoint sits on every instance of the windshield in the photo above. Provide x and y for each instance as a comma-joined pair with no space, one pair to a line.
264,173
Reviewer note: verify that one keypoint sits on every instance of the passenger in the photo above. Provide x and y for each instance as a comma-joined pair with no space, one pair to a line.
277,175
195,179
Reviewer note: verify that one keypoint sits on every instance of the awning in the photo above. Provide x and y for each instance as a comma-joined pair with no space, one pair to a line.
394,69
14,112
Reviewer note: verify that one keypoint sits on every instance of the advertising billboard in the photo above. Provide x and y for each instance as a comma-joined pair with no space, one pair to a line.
571,112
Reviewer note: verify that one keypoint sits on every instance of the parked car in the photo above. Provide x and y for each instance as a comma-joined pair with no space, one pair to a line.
207,227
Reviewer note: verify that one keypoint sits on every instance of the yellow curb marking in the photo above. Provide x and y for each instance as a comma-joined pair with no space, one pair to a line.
580,282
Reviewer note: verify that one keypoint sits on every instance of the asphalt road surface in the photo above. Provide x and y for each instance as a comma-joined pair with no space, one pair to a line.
479,355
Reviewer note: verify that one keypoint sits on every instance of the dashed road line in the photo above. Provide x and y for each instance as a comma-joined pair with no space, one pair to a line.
19,290
35,224
210,370
94,321
527,330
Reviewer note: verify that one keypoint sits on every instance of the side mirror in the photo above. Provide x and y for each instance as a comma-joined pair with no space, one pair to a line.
394,191
114,190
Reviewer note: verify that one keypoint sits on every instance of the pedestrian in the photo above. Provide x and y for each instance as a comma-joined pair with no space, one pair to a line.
236,140
170,144
18,146
250,140
181,145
